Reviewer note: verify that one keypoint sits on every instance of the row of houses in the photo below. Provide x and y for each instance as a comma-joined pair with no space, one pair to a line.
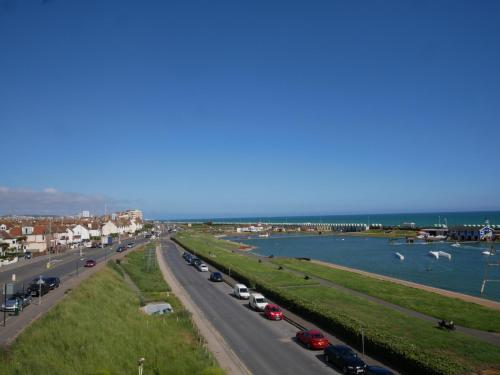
39,236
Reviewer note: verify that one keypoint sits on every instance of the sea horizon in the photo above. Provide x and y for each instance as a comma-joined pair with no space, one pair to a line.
391,219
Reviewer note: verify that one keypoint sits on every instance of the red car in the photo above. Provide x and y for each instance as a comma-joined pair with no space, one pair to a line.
90,263
312,339
273,312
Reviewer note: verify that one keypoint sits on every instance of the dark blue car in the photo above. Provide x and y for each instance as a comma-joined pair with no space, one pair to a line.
345,359
216,276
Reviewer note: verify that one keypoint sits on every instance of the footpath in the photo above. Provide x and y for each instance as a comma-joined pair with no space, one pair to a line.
226,358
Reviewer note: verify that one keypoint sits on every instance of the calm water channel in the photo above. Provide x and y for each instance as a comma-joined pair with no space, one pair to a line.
463,273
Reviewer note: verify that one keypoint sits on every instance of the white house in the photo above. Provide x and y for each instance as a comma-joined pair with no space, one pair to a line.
37,240
109,228
63,236
81,231
94,230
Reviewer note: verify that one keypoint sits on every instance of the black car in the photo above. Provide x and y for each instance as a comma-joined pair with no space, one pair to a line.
196,262
119,249
377,370
53,282
216,276
344,358
27,255
35,289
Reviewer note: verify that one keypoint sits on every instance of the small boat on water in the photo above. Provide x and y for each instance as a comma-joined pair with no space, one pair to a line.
456,244
444,254
400,256
264,235
434,254
488,252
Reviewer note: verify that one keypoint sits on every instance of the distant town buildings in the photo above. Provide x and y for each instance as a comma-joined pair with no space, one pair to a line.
38,235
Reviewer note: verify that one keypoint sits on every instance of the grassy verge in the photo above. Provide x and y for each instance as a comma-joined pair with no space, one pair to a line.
145,274
413,345
98,329
463,313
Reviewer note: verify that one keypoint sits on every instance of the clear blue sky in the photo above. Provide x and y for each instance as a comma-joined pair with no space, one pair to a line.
226,108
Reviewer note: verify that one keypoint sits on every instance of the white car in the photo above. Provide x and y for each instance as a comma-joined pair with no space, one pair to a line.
241,291
257,301
202,267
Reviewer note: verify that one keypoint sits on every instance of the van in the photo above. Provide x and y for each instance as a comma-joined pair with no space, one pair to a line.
257,302
241,291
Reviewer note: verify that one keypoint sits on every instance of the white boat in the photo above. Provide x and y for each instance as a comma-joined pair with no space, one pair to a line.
444,254
434,254
456,244
488,252
264,235
400,256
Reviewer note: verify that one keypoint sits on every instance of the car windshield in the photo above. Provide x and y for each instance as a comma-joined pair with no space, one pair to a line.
243,290
260,300
317,336
275,308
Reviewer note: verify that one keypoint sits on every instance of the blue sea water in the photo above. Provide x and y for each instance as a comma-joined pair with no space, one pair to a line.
420,219
463,273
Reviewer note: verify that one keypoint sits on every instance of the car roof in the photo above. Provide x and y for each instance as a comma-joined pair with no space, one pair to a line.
314,331
256,295
240,286
271,306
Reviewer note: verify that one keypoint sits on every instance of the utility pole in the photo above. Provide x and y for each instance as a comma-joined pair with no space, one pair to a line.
40,290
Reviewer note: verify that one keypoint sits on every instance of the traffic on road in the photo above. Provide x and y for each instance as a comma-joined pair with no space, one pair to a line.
337,357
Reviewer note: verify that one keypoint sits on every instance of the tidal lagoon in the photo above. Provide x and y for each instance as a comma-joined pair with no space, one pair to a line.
462,273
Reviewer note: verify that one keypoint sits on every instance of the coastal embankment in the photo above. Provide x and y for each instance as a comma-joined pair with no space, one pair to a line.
464,297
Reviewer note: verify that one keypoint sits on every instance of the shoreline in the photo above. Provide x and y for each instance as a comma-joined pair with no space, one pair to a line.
464,297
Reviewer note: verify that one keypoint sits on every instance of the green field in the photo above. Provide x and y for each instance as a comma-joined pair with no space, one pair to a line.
463,313
412,344
98,329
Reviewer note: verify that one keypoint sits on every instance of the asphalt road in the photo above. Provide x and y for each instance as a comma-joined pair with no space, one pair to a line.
264,346
63,265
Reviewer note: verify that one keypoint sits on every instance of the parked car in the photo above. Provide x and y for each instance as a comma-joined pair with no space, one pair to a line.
25,297
130,245
195,262
377,370
89,263
241,291
273,312
344,358
257,301
38,288
27,255
119,249
53,282
12,304
186,255
202,267
216,276
312,339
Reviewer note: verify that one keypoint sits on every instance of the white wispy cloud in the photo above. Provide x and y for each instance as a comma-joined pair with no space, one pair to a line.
49,201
